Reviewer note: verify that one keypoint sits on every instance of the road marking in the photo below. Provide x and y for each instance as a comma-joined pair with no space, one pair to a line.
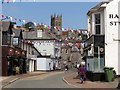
14,80
10,82
69,83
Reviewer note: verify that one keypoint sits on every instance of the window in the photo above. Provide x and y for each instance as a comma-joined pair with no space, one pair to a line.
39,33
8,39
59,23
33,53
97,23
29,49
56,23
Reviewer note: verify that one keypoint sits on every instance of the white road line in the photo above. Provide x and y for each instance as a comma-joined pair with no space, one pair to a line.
69,83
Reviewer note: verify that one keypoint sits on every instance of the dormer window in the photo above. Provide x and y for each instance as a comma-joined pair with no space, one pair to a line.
97,23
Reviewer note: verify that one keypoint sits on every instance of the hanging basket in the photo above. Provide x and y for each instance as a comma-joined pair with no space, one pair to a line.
21,59
16,60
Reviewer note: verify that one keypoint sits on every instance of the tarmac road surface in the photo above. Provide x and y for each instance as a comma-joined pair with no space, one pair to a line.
49,80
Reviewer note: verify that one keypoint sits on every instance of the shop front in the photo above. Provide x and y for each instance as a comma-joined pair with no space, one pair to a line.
94,57
13,61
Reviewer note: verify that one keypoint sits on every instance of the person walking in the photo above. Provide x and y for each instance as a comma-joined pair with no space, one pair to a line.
66,68
82,73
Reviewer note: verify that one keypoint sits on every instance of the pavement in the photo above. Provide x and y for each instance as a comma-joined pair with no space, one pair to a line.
73,80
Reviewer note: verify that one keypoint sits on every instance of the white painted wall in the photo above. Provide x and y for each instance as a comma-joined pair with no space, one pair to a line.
112,47
43,64
102,23
93,24
119,38
45,47
111,32
31,65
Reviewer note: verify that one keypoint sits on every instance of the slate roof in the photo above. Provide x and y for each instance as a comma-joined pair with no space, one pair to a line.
95,8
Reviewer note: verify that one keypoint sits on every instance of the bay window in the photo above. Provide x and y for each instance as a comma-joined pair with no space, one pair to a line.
97,23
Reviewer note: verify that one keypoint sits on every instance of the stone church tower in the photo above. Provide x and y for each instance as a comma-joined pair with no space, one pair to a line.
56,20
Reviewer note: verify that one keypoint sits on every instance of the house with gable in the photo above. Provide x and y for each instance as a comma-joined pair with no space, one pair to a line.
12,55
47,46
102,47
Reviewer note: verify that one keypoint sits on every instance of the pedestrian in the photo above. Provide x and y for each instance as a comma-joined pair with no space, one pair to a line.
53,66
17,70
82,73
66,68
78,70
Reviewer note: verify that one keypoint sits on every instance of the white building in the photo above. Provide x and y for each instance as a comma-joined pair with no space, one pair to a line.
104,19
31,58
44,63
112,36
50,52
47,47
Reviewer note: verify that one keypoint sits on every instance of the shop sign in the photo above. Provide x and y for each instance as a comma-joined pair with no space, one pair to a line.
15,41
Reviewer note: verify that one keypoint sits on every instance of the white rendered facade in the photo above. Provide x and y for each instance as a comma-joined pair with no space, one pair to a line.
110,29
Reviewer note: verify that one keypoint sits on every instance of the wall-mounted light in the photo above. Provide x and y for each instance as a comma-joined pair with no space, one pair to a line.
10,50
18,53
92,45
23,53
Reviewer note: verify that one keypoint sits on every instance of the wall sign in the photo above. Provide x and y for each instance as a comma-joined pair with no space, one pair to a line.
113,18
16,41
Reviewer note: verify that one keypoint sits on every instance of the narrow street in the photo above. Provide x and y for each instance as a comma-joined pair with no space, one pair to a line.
59,45
49,80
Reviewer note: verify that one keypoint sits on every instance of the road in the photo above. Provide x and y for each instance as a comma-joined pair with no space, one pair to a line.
49,80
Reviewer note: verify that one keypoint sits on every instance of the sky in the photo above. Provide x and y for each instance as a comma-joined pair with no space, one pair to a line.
74,14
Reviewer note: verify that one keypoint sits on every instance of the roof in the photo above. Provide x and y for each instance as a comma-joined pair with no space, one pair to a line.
17,32
75,49
5,25
43,34
97,7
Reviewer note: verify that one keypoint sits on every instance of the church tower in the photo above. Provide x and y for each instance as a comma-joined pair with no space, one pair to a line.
56,21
